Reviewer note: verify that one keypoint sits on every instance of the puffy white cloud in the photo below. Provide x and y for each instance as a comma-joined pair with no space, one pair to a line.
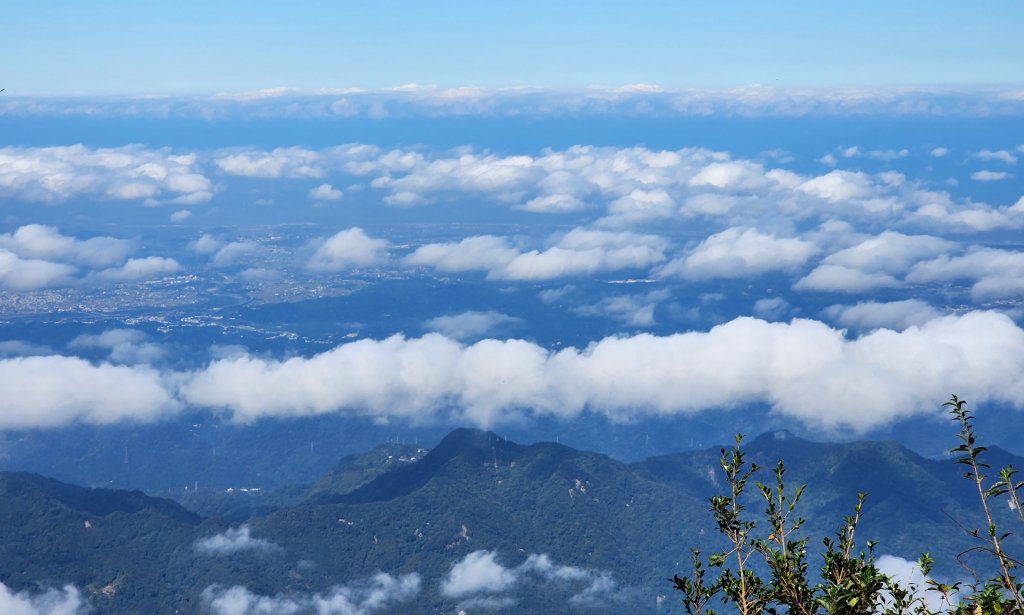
939,152
348,249
471,324
125,345
578,252
483,252
909,575
326,192
840,279
868,315
46,391
382,592
990,176
632,310
231,541
47,243
234,252
733,175
889,252
1000,155
996,273
803,369
740,252
771,308
147,268
180,216
53,174
206,244
293,162
840,186
484,583
30,274
66,601
477,572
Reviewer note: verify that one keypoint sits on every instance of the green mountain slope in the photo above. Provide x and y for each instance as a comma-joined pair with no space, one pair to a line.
612,532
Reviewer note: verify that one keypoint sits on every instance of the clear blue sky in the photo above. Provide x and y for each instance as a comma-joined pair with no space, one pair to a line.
189,46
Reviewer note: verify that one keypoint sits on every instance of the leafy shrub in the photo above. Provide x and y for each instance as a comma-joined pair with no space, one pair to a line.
764,569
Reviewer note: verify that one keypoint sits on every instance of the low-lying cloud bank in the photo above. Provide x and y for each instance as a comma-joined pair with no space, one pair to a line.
66,601
803,369
380,593
480,581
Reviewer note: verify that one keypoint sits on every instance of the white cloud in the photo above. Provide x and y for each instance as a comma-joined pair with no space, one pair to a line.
738,175
870,315
471,324
996,273
325,192
348,249
771,308
66,601
1000,155
802,369
632,310
840,279
235,252
740,252
30,274
47,243
889,252
478,572
909,575
180,216
292,162
483,252
206,244
56,174
840,186
231,541
125,345
939,152
578,252
990,176
380,593
46,391
484,583
148,268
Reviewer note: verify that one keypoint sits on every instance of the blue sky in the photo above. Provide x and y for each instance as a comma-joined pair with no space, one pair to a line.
118,47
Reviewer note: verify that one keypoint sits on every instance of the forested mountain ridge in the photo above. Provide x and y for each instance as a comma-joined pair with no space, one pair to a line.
405,511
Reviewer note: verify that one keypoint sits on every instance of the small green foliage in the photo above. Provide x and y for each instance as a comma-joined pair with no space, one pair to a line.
848,582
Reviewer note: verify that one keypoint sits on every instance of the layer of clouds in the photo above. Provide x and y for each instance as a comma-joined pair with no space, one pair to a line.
47,243
994,273
231,541
740,253
480,581
66,601
326,192
417,100
35,256
472,324
380,593
46,391
632,310
123,345
870,315
134,173
802,369
348,249
578,252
